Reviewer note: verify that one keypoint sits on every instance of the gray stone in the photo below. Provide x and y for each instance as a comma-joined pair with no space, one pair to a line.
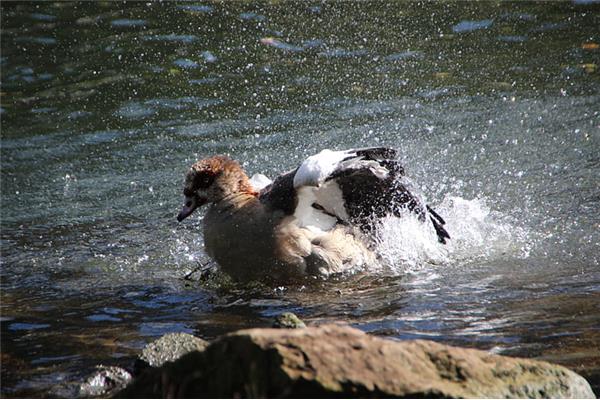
288,320
104,382
339,361
170,347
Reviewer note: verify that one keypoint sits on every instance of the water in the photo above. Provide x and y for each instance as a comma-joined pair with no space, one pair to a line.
495,108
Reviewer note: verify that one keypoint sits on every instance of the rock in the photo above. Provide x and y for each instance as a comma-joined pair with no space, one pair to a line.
339,361
170,347
288,320
104,382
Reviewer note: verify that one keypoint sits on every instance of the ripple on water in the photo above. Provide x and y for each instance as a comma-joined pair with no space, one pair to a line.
127,23
198,8
344,53
42,17
208,56
170,38
206,81
252,16
512,38
43,110
24,326
135,110
144,109
43,40
55,359
281,45
102,318
186,63
404,55
471,26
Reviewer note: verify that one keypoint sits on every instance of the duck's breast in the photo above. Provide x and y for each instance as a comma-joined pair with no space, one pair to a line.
236,236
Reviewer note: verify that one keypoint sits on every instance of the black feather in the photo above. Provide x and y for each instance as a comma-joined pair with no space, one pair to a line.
436,215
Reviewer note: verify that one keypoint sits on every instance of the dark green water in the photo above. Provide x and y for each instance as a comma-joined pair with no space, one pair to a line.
495,107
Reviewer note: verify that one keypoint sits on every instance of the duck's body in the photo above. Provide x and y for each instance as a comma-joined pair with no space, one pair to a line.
315,220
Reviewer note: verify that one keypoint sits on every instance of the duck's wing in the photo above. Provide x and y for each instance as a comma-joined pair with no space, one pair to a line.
349,187
280,195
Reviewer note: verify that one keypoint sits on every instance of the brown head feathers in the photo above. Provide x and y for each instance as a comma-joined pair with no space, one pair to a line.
220,175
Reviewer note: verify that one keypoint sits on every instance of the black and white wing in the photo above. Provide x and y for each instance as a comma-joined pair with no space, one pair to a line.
348,187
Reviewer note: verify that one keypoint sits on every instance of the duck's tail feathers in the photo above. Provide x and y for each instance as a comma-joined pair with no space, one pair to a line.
438,224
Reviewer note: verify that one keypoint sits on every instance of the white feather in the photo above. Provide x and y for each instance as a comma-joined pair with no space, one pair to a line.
310,217
314,170
330,197
357,163
260,181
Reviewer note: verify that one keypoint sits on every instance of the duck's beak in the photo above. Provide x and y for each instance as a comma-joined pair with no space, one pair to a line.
185,212
188,208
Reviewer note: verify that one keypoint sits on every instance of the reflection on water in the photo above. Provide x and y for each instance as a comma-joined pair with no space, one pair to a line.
494,107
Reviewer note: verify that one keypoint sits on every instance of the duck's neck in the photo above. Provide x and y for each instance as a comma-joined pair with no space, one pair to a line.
238,198
235,203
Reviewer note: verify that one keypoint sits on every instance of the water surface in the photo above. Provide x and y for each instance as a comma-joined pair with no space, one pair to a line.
494,106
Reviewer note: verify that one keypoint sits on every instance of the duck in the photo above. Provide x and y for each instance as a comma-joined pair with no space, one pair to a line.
319,219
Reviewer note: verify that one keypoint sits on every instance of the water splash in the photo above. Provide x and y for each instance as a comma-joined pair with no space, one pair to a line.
477,233
187,249
480,233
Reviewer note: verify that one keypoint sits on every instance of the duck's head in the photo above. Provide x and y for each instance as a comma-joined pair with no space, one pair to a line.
210,181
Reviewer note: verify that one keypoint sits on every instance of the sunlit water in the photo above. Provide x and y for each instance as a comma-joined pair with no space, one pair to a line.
494,107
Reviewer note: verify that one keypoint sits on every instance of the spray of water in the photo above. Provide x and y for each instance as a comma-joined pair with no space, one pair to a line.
477,233
187,249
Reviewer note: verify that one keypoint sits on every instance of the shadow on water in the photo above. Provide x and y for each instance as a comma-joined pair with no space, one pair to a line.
494,107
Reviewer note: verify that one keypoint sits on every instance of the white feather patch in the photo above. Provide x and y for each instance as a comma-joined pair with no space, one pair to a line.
314,170
330,197
260,181
377,169
308,216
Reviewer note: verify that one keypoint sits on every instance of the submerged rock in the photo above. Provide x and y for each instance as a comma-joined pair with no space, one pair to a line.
339,361
288,320
105,381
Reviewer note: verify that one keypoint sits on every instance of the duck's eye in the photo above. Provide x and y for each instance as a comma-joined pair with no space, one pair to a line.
203,181
188,203
206,181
